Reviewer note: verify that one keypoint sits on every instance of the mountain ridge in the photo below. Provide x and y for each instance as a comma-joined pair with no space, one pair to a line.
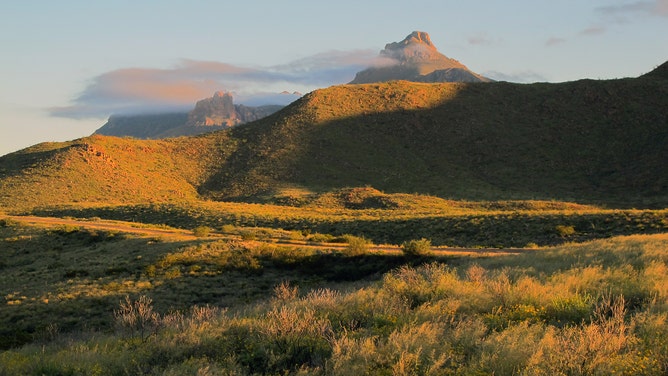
209,114
588,141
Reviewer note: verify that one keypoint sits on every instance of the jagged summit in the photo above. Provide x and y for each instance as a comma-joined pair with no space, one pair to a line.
416,38
215,111
418,48
417,59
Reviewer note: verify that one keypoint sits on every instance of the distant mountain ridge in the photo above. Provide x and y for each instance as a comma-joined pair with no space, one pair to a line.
210,114
417,59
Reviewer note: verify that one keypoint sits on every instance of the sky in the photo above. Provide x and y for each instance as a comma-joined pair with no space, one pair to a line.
66,66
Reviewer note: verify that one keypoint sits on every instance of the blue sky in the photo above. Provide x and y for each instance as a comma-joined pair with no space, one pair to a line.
67,65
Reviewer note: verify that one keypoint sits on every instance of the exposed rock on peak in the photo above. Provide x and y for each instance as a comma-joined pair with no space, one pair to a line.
210,114
414,38
417,59
215,111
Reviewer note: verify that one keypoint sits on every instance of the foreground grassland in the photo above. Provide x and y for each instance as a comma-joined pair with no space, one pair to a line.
80,301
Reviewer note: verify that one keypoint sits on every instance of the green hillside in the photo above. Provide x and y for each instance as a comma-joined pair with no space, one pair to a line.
588,141
600,142
103,169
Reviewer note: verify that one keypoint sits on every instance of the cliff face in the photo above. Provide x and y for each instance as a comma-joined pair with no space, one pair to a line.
215,111
417,59
209,114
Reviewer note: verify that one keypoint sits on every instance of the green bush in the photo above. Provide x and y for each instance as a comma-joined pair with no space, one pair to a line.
202,231
356,245
420,247
565,231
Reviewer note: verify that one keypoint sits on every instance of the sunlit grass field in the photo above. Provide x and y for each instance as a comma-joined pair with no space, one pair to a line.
79,301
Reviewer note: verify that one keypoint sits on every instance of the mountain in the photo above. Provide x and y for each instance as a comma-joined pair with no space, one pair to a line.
588,141
215,111
416,59
210,114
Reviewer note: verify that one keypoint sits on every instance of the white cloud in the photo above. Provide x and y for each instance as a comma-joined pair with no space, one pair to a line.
520,77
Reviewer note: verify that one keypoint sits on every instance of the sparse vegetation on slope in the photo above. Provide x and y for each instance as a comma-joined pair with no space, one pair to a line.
475,226
594,308
592,141
601,142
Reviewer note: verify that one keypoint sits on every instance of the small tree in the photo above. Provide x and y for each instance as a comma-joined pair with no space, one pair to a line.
414,247
356,245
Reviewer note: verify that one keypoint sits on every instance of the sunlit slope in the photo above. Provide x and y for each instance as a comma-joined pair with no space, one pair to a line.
108,170
595,141
586,141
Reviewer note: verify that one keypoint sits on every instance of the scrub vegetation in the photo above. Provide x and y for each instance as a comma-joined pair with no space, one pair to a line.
86,302
318,240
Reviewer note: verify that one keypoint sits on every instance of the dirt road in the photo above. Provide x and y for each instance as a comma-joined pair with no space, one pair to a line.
181,234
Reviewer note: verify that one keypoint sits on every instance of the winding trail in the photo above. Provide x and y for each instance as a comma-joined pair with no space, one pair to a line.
182,234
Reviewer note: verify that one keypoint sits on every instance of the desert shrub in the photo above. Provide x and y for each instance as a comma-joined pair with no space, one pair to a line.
416,286
356,245
573,309
249,234
8,222
294,338
201,231
565,231
284,291
137,317
604,346
228,229
421,247
509,351
321,238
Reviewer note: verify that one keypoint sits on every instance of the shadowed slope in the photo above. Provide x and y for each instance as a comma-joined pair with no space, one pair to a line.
597,141
585,141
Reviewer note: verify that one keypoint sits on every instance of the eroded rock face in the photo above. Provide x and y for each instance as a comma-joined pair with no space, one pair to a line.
215,111
210,114
416,59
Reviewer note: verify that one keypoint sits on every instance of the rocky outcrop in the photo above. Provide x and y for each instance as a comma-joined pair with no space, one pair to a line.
210,114
215,111
416,59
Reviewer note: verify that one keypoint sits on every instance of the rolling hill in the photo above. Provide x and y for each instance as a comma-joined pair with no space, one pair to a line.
603,142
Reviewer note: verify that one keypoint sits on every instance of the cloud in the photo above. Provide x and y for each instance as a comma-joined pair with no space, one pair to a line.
653,8
521,77
480,39
553,41
588,32
617,14
145,90
592,30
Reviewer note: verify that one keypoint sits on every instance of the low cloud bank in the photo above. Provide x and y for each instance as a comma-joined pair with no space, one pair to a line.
146,90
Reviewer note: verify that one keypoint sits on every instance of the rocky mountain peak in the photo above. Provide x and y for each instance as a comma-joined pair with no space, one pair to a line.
417,48
215,111
414,38
417,59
